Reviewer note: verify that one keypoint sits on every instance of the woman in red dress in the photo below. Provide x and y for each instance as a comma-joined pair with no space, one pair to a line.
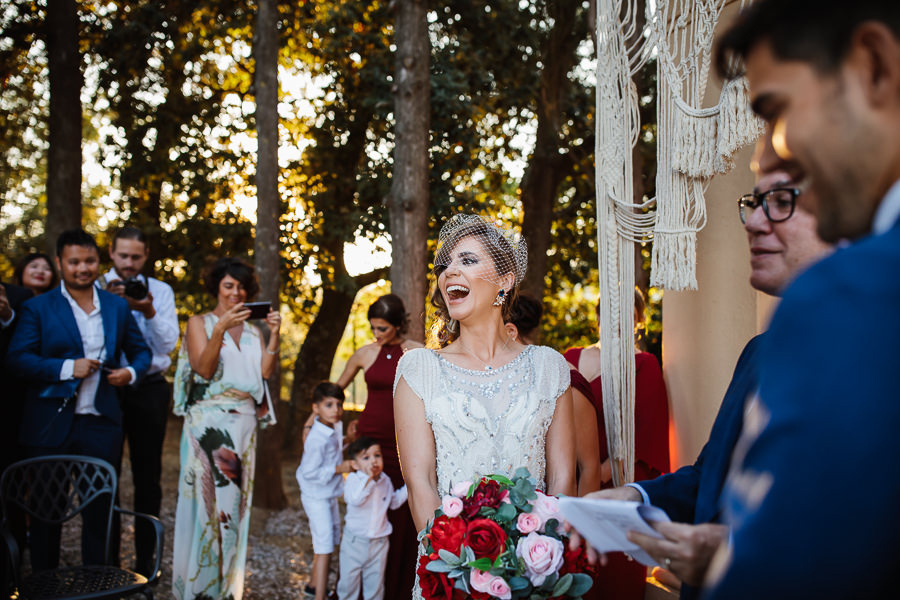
623,578
388,319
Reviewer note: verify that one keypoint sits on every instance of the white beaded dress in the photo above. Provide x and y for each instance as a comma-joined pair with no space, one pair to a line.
487,422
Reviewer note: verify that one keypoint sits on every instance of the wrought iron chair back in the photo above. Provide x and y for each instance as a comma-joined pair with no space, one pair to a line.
54,489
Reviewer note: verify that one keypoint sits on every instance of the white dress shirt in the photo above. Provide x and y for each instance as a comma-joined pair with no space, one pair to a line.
368,503
888,211
322,453
93,341
161,332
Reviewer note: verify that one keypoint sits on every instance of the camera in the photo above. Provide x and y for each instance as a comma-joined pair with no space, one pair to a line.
135,288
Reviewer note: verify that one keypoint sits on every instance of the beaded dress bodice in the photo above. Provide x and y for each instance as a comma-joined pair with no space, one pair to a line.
491,421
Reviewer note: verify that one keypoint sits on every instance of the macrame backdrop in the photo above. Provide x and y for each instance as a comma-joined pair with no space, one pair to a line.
693,144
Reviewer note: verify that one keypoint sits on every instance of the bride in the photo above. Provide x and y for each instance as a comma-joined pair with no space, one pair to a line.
483,403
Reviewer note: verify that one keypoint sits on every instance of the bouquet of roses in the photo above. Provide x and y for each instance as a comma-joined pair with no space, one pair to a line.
500,538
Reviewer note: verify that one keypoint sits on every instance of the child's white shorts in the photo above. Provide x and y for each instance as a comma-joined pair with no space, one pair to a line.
324,523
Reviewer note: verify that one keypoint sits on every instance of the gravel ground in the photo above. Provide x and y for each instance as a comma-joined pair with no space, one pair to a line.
280,553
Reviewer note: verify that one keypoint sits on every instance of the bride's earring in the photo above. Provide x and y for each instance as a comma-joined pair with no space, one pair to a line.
501,297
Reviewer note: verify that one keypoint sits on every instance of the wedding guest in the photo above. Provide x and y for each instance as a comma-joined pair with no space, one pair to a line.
221,392
145,405
378,360
524,319
69,345
369,495
36,272
321,483
622,577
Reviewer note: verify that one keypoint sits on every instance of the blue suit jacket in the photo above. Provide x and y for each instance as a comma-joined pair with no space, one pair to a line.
45,337
812,501
691,494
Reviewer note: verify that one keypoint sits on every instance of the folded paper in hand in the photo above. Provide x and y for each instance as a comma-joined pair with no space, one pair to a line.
606,523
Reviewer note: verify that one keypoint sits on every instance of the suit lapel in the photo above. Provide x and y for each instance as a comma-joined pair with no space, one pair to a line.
107,312
63,312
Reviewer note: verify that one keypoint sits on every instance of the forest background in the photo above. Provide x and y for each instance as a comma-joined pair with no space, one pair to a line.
312,137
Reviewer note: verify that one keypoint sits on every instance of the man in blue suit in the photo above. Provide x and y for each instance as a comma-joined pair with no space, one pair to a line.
811,498
67,346
783,242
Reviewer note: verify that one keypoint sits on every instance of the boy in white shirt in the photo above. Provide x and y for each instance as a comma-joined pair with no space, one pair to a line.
364,547
321,482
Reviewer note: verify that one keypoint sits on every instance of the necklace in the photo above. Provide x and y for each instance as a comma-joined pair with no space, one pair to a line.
487,366
400,343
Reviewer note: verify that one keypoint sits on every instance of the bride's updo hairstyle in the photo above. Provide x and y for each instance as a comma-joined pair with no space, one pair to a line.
507,252
390,308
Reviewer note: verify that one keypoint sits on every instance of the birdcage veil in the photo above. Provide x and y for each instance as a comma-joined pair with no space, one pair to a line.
503,245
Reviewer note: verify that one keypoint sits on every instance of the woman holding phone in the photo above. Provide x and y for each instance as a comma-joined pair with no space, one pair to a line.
221,392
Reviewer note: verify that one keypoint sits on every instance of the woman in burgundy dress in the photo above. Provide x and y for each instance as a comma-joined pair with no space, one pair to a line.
388,319
623,578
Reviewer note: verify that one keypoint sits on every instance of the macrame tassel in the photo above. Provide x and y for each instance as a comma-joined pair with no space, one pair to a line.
673,262
737,125
693,150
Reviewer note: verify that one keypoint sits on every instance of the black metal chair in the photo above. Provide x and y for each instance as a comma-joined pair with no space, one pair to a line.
54,489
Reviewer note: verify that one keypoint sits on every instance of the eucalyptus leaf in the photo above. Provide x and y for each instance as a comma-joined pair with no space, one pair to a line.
438,566
519,583
505,513
450,558
581,583
562,586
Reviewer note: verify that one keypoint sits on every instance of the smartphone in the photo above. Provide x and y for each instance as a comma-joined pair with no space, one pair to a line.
258,310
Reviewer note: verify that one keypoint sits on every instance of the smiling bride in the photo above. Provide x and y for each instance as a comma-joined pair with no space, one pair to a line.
484,403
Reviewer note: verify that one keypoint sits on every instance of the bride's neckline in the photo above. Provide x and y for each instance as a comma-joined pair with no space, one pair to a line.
492,371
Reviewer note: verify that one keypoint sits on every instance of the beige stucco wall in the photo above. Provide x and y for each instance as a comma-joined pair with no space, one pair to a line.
705,330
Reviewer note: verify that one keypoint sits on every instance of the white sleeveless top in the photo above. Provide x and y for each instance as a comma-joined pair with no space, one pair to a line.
487,422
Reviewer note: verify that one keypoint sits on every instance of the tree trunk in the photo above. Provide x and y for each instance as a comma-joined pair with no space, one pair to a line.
64,143
409,195
316,355
547,166
266,251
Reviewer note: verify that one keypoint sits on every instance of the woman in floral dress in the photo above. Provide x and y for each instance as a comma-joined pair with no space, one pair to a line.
219,389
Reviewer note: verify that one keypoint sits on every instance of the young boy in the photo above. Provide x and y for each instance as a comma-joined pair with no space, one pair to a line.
321,482
364,547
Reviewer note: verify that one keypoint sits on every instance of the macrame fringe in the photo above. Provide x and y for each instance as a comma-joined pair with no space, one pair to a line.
673,264
737,124
693,150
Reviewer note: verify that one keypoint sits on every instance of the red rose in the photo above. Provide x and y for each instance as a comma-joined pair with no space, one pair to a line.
447,534
436,586
575,561
485,538
486,494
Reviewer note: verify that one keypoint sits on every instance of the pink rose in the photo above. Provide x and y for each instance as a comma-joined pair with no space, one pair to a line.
500,589
546,508
504,497
480,581
528,522
461,489
542,556
452,506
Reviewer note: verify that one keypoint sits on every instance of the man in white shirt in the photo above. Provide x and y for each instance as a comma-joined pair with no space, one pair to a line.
145,404
67,346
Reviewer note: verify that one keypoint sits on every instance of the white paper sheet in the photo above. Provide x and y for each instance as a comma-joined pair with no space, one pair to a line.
605,524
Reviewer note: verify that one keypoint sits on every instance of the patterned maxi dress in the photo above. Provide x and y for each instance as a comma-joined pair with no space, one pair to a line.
218,455
487,422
